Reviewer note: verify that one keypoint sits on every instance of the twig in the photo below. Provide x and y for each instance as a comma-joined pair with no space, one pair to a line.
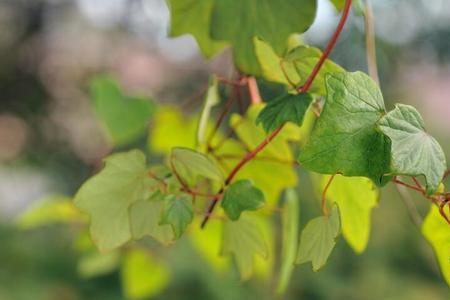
304,88
324,196
253,90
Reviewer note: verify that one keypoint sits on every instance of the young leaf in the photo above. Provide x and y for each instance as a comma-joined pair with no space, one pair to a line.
284,16
295,66
107,197
414,152
436,231
191,165
212,99
345,139
178,212
142,276
124,118
243,240
239,196
318,239
356,197
145,216
290,219
194,17
286,108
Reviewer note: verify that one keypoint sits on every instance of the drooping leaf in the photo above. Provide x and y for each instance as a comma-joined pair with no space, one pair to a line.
318,239
211,99
414,152
356,197
276,156
194,17
286,108
124,118
436,231
240,196
290,219
50,210
143,276
107,197
243,240
345,139
145,216
191,165
178,213
295,66
252,18
96,264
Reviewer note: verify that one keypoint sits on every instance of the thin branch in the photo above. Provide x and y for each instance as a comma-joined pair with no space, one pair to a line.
370,42
324,196
253,90
409,203
304,88
397,181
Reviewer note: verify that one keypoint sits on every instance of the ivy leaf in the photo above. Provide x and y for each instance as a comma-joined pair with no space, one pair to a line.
212,99
436,231
295,66
356,197
345,139
107,197
178,213
239,196
244,240
414,152
124,118
145,216
318,239
286,108
194,17
251,19
191,165
290,221
142,275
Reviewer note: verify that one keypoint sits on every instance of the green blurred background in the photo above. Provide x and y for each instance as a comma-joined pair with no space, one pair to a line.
51,141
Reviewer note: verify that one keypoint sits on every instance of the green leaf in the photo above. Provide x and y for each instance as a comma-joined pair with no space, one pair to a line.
286,108
243,239
436,231
290,222
142,275
191,165
356,197
107,197
124,118
318,239
240,196
252,18
212,99
414,152
295,66
96,264
345,139
145,216
178,213
50,210
194,17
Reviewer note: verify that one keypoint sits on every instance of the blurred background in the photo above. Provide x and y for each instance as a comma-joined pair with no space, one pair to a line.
51,141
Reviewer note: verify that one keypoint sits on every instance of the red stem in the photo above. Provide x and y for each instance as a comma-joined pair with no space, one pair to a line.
395,180
302,89
253,90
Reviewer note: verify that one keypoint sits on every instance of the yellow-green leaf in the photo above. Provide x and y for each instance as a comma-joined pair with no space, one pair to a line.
356,197
142,275
437,231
